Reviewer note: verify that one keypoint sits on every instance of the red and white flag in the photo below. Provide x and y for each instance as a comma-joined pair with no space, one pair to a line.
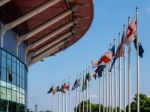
131,32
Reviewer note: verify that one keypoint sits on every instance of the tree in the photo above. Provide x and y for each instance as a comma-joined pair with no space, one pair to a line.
144,104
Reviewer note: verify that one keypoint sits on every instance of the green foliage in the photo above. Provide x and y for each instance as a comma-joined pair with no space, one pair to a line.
144,104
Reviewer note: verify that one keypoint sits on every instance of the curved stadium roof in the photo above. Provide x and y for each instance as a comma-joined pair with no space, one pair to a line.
47,26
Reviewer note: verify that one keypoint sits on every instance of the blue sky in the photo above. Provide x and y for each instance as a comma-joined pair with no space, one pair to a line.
108,20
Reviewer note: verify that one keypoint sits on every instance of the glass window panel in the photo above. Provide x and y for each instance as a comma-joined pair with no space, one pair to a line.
2,83
14,96
8,85
3,74
18,97
3,52
14,59
14,78
8,94
18,81
9,64
18,68
4,61
14,87
8,56
13,66
2,93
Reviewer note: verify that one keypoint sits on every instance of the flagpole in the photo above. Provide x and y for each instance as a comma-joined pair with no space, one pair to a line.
83,93
111,92
138,66
99,96
119,68
129,74
62,103
52,103
109,84
69,98
86,93
104,91
76,99
89,89
79,97
115,85
58,102
124,58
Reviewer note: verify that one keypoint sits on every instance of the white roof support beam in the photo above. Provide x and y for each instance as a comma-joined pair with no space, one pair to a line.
50,44
47,53
49,36
2,2
44,26
30,14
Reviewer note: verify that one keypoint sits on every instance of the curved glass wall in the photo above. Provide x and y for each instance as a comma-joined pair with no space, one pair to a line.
13,83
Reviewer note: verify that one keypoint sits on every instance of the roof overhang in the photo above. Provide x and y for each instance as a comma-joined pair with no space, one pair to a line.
51,25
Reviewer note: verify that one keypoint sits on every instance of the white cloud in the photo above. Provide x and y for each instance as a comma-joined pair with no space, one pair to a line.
94,96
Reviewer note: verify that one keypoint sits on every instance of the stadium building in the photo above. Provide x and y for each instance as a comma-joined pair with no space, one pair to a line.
31,30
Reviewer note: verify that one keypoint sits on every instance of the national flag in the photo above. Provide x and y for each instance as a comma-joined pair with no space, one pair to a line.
88,77
62,89
99,70
95,75
84,84
94,64
131,31
66,86
57,89
120,51
54,90
76,84
108,56
50,90
141,50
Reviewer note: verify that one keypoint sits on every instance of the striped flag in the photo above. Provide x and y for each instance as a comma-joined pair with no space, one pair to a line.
76,84
120,50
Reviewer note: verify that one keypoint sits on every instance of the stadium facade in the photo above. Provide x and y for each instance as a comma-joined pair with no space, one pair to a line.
31,30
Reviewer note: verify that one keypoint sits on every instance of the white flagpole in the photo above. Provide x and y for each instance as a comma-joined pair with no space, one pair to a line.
138,66
58,102
76,99
104,90
89,90
124,73
109,84
111,92
99,96
52,103
79,97
62,103
115,85
83,92
87,97
119,68
129,75
69,103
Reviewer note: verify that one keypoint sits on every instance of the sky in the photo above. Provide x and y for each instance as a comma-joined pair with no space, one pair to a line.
109,18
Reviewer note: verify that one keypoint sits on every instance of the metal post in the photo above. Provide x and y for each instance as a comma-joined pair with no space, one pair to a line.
119,68
104,91
99,96
138,66
129,75
124,74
